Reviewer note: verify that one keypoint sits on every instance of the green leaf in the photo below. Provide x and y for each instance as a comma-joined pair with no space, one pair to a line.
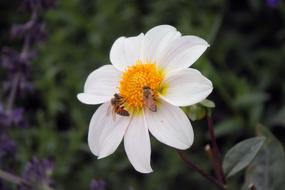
240,156
208,103
196,112
250,98
267,170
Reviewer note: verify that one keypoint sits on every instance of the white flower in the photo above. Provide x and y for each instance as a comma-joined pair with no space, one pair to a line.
158,60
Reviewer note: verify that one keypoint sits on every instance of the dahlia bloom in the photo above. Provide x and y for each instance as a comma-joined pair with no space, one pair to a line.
151,79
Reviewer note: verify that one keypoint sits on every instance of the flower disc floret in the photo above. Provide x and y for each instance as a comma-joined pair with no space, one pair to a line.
134,79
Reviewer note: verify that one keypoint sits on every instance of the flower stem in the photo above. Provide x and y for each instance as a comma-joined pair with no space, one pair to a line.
210,154
215,150
200,171
10,177
12,96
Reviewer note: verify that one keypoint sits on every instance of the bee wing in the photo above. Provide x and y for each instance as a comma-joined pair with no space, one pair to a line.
146,97
114,115
150,103
111,111
147,102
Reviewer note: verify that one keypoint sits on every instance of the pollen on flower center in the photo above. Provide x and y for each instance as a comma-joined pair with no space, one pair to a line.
134,79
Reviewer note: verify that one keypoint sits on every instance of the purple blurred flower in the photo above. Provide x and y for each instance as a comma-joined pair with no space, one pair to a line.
14,116
25,86
17,64
11,60
37,175
272,3
38,5
17,117
48,4
97,185
33,30
4,122
7,145
16,82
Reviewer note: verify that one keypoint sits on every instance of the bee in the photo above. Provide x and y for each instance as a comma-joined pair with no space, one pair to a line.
148,99
117,107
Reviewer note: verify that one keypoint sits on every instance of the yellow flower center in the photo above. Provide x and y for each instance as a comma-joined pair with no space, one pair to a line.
134,79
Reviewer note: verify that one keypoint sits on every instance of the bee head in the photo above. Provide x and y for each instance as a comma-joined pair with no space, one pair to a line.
146,88
117,96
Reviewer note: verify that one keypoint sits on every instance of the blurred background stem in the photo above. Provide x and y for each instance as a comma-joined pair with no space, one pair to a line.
10,177
12,96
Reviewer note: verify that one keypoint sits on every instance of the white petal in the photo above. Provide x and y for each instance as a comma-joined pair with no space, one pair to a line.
126,51
105,133
186,87
137,145
170,125
157,40
182,53
101,85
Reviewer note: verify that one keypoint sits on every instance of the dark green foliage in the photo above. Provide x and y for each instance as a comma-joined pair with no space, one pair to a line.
245,62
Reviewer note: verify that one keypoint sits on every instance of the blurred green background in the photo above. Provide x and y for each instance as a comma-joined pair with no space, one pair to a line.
245,63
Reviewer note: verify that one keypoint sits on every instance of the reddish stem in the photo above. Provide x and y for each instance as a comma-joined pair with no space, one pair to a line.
210,154
216,151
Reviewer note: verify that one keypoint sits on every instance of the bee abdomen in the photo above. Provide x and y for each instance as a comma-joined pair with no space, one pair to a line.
123,112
